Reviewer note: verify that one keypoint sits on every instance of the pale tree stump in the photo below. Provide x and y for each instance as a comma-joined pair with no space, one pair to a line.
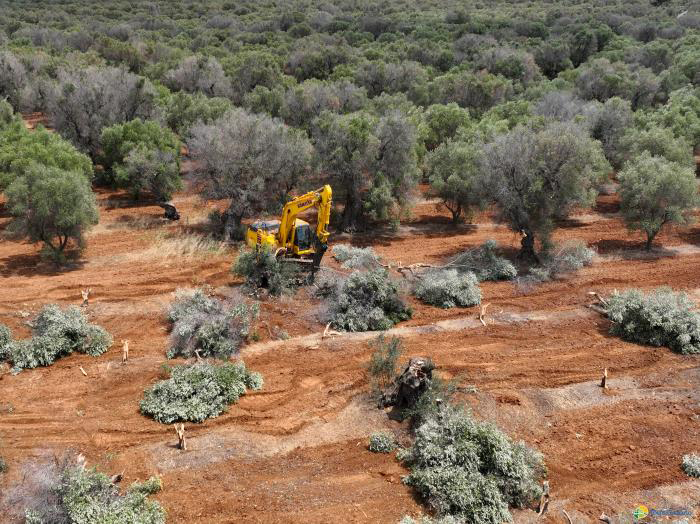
85,293
125,351
544,500
182,442
604,381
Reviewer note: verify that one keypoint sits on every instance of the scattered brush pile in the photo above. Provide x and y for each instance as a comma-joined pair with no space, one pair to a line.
351,257
447,288
197,392
484,263
561,260
70,493
660,318
429,520
263,270
56,333
365,301
471,470
208,326
691,465
457,284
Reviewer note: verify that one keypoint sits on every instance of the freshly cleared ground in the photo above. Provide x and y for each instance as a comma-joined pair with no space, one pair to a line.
296,451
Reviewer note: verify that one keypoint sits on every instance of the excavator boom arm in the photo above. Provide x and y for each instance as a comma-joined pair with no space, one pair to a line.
320,198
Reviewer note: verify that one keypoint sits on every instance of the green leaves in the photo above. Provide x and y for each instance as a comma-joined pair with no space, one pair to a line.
655,192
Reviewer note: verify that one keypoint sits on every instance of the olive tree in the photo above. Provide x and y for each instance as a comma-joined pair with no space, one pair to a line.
85,101
658,141
440,123
536,177
654,192
370,162
13,78
452,170
251,160
607,123
21,150
348,150
142,155
199,74
53,206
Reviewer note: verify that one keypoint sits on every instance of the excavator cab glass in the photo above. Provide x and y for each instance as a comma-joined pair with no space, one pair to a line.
303,237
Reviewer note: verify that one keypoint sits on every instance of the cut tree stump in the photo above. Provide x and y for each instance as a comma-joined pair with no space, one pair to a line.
409,385
182,442
604,381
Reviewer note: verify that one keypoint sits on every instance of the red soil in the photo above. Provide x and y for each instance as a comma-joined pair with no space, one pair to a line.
296,451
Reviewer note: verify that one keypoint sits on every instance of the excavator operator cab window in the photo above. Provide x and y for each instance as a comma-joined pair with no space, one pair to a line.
303,237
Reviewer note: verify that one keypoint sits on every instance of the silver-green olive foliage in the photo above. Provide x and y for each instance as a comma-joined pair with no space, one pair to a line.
536,177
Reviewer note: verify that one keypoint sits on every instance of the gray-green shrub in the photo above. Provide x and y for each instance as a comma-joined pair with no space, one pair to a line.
658,318
691,465
470,469
352,257
3,465
56,333
382,443
262,269
197,392
485,263
75,495
207,325
448,288
367,301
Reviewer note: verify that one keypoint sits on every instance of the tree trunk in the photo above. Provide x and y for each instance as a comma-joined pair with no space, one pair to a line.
456,214
409,386
650,240
232,225
527,248
351,213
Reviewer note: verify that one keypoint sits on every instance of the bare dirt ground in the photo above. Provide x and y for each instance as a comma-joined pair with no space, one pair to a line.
296,451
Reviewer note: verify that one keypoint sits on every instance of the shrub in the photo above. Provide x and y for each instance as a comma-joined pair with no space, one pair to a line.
368,301
150,487
78,495
429,520
352,257
448,288
381,443
485,263
660,318
3,465
58,332
691,465
5,342
208,326
470,469
382,365
198,392
262,269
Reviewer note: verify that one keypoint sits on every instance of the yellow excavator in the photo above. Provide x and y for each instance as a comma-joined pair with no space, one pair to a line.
293,238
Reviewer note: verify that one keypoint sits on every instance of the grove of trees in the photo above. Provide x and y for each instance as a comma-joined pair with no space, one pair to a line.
528,107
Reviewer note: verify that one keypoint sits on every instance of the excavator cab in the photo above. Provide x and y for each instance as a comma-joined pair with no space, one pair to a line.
291,237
